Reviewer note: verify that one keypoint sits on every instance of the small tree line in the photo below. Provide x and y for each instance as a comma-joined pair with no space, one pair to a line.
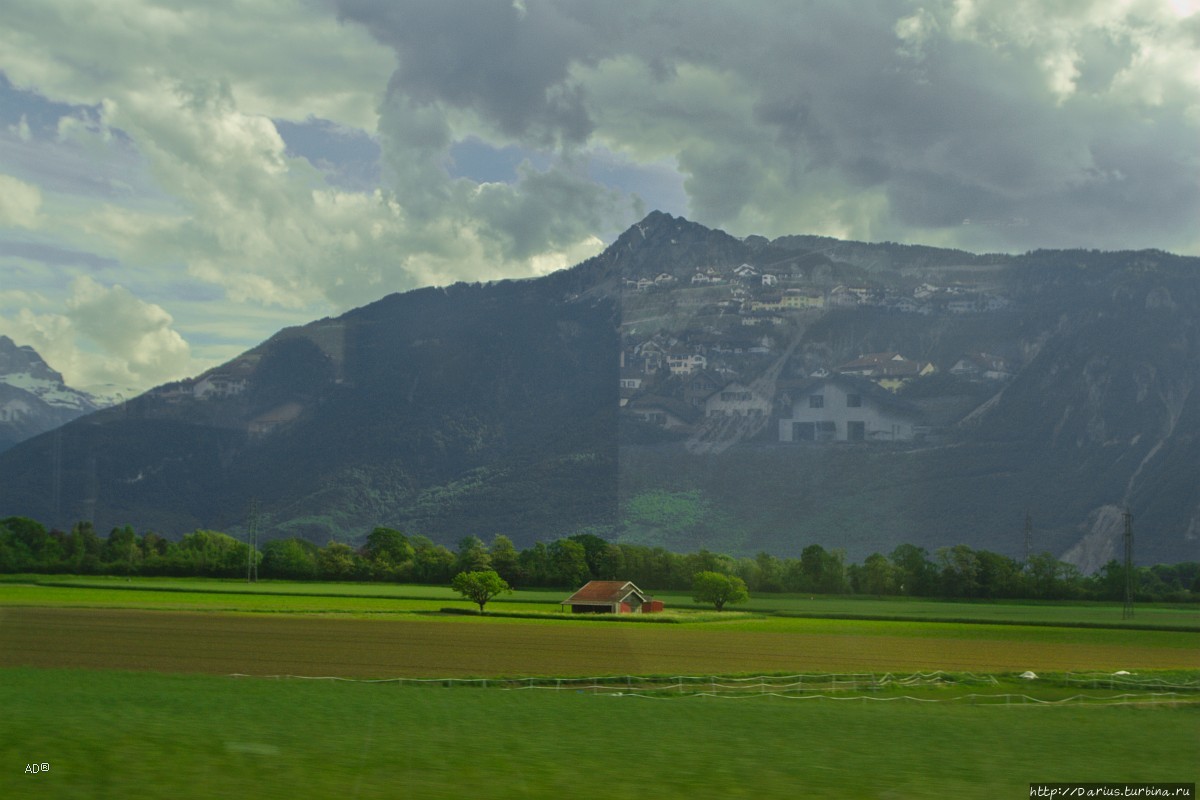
392,555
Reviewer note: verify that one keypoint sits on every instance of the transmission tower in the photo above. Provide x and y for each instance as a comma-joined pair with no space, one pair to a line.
57,463
252,540
1127,612
1028,538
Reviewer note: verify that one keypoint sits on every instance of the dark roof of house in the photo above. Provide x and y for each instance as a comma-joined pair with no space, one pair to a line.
870,391
737,385
707,376
604,592
882,365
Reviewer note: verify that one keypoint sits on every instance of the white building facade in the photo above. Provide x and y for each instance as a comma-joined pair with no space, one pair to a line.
839,411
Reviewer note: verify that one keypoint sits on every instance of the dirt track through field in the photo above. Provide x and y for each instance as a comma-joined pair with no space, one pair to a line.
270,645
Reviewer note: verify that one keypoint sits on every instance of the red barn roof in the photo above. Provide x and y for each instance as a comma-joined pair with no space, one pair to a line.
597,592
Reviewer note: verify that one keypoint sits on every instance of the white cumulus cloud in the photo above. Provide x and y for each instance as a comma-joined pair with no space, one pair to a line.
20,203
106,335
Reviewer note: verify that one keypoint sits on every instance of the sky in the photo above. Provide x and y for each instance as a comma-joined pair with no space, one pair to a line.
179,180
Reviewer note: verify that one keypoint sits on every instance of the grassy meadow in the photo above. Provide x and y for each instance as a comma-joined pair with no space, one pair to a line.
122,734
284,596
125,689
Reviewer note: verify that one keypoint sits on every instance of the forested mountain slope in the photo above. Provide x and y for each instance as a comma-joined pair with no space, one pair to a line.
651,393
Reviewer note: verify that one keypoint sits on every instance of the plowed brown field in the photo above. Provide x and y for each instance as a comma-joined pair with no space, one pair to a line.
270,644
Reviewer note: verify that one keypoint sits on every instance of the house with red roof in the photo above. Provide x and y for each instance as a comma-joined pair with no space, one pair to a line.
612,597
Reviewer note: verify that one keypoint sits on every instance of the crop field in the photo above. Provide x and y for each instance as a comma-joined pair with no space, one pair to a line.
436,646
340,597
130,693
1027,612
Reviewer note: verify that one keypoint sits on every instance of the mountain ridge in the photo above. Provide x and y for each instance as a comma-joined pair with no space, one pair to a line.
503,407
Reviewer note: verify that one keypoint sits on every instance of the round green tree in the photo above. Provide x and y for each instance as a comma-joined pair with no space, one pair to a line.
479,586
718,589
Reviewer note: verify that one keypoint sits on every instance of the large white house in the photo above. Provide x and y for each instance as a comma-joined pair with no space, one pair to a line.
839,409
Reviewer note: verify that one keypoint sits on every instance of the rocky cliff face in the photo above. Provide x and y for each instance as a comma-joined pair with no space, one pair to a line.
33,397
1111,395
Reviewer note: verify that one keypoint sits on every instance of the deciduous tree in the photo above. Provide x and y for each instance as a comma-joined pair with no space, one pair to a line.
479,586
388,546
569,562
472,555
505,558
718,589
338,561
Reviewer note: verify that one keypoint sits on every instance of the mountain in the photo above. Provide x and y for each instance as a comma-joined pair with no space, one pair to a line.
33,397
468,409
1092,411
690,389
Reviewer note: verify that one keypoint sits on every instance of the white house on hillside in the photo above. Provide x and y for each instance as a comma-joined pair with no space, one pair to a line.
846,410
216,385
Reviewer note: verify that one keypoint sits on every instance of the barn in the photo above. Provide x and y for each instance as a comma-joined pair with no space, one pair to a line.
611,597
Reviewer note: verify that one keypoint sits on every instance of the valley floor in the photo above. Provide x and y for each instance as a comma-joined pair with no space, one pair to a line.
141,700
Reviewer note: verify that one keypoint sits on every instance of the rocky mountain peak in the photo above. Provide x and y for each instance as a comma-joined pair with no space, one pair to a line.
674,245
24,360
33,397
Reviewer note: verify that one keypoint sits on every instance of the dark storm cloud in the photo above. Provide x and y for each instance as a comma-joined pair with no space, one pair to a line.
506,63
1051,124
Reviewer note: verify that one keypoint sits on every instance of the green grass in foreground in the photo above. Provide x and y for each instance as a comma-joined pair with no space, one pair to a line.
113,734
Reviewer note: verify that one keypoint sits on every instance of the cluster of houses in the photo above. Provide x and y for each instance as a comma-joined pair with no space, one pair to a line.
696,378
212,386
854,402
217,386
755,291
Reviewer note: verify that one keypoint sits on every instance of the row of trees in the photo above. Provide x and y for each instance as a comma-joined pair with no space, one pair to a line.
391,555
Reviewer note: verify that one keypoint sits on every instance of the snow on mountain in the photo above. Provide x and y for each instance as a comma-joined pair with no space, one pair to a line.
52,393
33,397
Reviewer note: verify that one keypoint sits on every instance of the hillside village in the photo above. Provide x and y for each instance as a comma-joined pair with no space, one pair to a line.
719,356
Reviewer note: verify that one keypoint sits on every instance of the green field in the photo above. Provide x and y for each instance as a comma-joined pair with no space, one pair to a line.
118,734
125,689
377,597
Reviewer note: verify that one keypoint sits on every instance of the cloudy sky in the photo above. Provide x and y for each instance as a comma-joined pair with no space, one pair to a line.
178,180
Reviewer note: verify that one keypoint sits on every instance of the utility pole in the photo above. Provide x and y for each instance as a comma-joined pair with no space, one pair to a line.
129,569
252,540
56,460
1127,612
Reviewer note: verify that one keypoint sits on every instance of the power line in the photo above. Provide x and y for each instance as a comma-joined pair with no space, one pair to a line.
1127,612
1028,538
252,541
